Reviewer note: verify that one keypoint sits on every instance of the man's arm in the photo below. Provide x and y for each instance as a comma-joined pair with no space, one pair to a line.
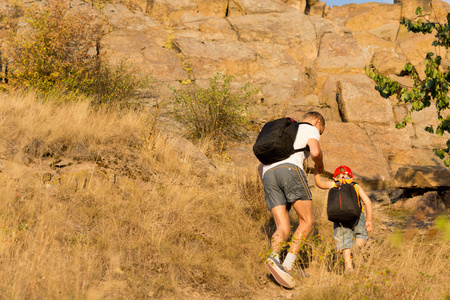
316,154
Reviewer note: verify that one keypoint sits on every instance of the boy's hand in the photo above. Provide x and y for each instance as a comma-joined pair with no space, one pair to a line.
369,226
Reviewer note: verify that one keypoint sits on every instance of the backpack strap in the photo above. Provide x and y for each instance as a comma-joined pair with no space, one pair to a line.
307,146
355,185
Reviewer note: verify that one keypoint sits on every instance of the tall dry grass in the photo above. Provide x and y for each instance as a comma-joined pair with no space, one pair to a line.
129,217
114,235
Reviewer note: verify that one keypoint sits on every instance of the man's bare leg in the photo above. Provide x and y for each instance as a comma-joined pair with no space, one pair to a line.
283,231
305,214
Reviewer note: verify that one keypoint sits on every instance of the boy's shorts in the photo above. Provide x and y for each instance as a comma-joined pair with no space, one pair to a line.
285,184
345,236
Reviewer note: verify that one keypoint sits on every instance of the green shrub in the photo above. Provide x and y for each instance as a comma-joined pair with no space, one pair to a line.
214,112
57,51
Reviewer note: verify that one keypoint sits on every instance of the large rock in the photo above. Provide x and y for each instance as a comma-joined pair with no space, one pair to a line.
388,62
297,4
371,44
281,76
339,53
213,8
415,46
429,203
168,12
120,17
392,143
433,10
249,7
348,144
328,97
426,157
422,177
422,138
141,49
291,28
359,102
376,18
319,9
210,28
208,57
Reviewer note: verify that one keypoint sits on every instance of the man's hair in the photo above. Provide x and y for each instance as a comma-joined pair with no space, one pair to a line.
312,115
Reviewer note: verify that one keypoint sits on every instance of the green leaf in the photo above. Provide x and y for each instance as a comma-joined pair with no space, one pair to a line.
447,162
419,10
440,153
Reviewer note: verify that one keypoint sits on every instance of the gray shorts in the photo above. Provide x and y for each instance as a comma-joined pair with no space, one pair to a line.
285,184
345,236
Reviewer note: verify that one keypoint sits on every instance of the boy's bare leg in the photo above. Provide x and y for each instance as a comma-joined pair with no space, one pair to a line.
281,218
360,242
348,259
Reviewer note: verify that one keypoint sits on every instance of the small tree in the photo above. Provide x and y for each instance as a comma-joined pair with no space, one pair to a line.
56,51
433,88
215,111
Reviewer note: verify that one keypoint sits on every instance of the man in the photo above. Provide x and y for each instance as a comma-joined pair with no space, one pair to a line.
285,184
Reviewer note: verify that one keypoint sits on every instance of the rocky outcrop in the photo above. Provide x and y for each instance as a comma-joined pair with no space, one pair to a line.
301,58
422,177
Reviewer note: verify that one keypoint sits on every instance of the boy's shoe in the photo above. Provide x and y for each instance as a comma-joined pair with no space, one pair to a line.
279,273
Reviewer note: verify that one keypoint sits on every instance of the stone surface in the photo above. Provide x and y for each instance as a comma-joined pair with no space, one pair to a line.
146,55
356,89
208,57
348,144
392,143
370,44
428,203
299,62
211,28
249,7
339,52
424,177
291,28
297,4
389,62
168,12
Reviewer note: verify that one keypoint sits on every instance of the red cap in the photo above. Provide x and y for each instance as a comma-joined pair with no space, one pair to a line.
343,170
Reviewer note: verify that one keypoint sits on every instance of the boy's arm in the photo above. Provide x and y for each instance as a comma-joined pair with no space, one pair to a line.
369,208
320,183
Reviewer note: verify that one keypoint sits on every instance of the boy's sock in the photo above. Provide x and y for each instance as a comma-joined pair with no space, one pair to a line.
275,256
289,261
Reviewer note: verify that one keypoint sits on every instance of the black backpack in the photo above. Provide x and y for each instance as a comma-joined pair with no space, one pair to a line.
276,140
344,204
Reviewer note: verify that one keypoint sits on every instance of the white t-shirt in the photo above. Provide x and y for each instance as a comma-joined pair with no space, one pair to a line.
304,133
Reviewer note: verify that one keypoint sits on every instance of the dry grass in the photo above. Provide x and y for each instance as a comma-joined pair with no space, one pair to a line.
129,217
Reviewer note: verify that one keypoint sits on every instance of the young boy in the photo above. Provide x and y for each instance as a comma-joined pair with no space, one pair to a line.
346,235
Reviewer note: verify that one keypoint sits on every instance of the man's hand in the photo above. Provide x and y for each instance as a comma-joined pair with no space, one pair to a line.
319,169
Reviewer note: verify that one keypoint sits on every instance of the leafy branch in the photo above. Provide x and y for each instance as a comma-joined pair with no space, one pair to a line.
434,88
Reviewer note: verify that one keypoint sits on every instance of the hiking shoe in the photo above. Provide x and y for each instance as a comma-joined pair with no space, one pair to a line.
279,273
